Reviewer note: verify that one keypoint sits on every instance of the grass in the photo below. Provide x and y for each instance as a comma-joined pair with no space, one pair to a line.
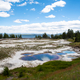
52,70
75,44
4,52
71,40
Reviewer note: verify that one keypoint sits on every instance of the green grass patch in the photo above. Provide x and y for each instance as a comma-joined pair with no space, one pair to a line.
53,66
47,71
71,40
75,44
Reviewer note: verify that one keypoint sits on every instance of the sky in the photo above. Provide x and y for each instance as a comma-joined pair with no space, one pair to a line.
39,16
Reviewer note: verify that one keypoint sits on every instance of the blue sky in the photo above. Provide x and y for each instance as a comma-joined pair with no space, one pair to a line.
39,16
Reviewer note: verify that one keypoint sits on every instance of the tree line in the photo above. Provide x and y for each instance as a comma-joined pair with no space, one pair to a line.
5,35
70,34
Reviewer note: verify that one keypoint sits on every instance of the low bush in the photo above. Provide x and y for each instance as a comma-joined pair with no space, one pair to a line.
6,71
20,74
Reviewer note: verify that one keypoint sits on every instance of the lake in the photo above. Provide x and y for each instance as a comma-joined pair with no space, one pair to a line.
32,35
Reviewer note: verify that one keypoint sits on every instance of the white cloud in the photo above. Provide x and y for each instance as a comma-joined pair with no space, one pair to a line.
55,0
24,20
48,8
36,2
12,11
23,4
12,1
5,6
20,20
33,9
17,21
49,27
33,2
4,14
50,16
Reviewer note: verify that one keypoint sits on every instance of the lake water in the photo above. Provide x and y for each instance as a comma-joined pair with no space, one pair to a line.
41,57
32,35
28,36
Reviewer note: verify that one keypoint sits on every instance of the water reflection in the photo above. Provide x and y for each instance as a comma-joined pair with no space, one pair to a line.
42,57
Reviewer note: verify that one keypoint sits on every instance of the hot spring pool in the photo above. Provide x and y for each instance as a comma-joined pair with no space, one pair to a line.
61,53
46,56
41,57
66,52
73,57
69,52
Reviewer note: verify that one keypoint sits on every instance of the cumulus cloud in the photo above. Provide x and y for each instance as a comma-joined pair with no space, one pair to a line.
5,6
36,2
23,4
24,20
33,2
33,9
50,16
48,8
49,27
20,20
17,21
12,1
4,14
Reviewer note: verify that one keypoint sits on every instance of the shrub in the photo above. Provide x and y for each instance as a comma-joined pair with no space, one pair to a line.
39,68
6,71
20,74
